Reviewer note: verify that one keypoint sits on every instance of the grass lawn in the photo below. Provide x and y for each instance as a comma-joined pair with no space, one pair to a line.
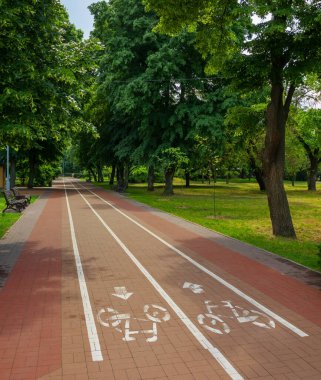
241,211
7,219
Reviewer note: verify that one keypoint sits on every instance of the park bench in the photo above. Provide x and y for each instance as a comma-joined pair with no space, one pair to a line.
19,196
12,203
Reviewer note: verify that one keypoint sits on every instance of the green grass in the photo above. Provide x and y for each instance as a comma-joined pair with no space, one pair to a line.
8,219
241,211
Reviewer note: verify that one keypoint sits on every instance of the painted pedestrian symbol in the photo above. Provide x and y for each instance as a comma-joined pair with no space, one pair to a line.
215,322
155,314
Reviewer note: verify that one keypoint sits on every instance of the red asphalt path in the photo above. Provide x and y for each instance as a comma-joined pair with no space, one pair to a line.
42,326
30,302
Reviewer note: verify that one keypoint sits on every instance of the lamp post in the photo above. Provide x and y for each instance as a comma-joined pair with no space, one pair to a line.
8,169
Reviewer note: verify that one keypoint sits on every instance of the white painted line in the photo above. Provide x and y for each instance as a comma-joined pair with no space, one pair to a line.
278,318
221,359
90,320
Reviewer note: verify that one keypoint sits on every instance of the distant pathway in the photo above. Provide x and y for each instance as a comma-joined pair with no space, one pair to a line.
105,289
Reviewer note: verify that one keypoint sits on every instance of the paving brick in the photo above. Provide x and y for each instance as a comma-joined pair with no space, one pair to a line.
43,331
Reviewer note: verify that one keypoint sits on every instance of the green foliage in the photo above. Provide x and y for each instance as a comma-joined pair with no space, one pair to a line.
308,126
46,173
150,97
253,32
45,73
213,20
138,175
171,158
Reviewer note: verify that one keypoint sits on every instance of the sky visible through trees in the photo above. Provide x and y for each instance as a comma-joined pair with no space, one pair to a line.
79,14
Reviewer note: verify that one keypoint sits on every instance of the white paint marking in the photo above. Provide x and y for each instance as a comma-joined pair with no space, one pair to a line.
90,320
230,370
121,292
278,318
197,289
116,319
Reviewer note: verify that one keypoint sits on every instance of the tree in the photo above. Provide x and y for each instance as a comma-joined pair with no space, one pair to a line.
248,122
170,159
274,42
307,129
295,157
150,83
42,86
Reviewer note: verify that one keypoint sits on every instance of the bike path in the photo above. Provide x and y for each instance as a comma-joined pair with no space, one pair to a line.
275,348
30,301
150,334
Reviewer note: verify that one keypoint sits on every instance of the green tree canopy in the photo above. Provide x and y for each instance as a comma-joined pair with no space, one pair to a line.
44,74
256,43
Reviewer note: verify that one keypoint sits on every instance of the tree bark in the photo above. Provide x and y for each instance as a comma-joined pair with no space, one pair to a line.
187,178
313,156
92,172
274,160
243,173
313,173
122,177
100,173
169,175
258,173
151,178
112,174
293,180
126,176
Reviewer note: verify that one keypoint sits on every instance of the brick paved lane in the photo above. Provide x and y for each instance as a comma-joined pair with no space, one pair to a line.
30,301
187,319
106,290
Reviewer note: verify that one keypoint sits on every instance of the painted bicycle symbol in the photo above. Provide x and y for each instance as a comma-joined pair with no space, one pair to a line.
215,322
122,322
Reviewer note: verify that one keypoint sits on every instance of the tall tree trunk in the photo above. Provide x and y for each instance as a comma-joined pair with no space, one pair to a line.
258,172
126,176
169,175
151,178
187,178
293,179
243,173
274,159
92,172
313,173
100,175
122,182
313,156
112,174
12,173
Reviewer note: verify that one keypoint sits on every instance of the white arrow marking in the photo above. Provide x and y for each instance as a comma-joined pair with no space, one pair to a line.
197,289
121,292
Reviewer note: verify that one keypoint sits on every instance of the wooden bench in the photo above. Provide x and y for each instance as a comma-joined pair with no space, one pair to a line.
12,203
19,196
